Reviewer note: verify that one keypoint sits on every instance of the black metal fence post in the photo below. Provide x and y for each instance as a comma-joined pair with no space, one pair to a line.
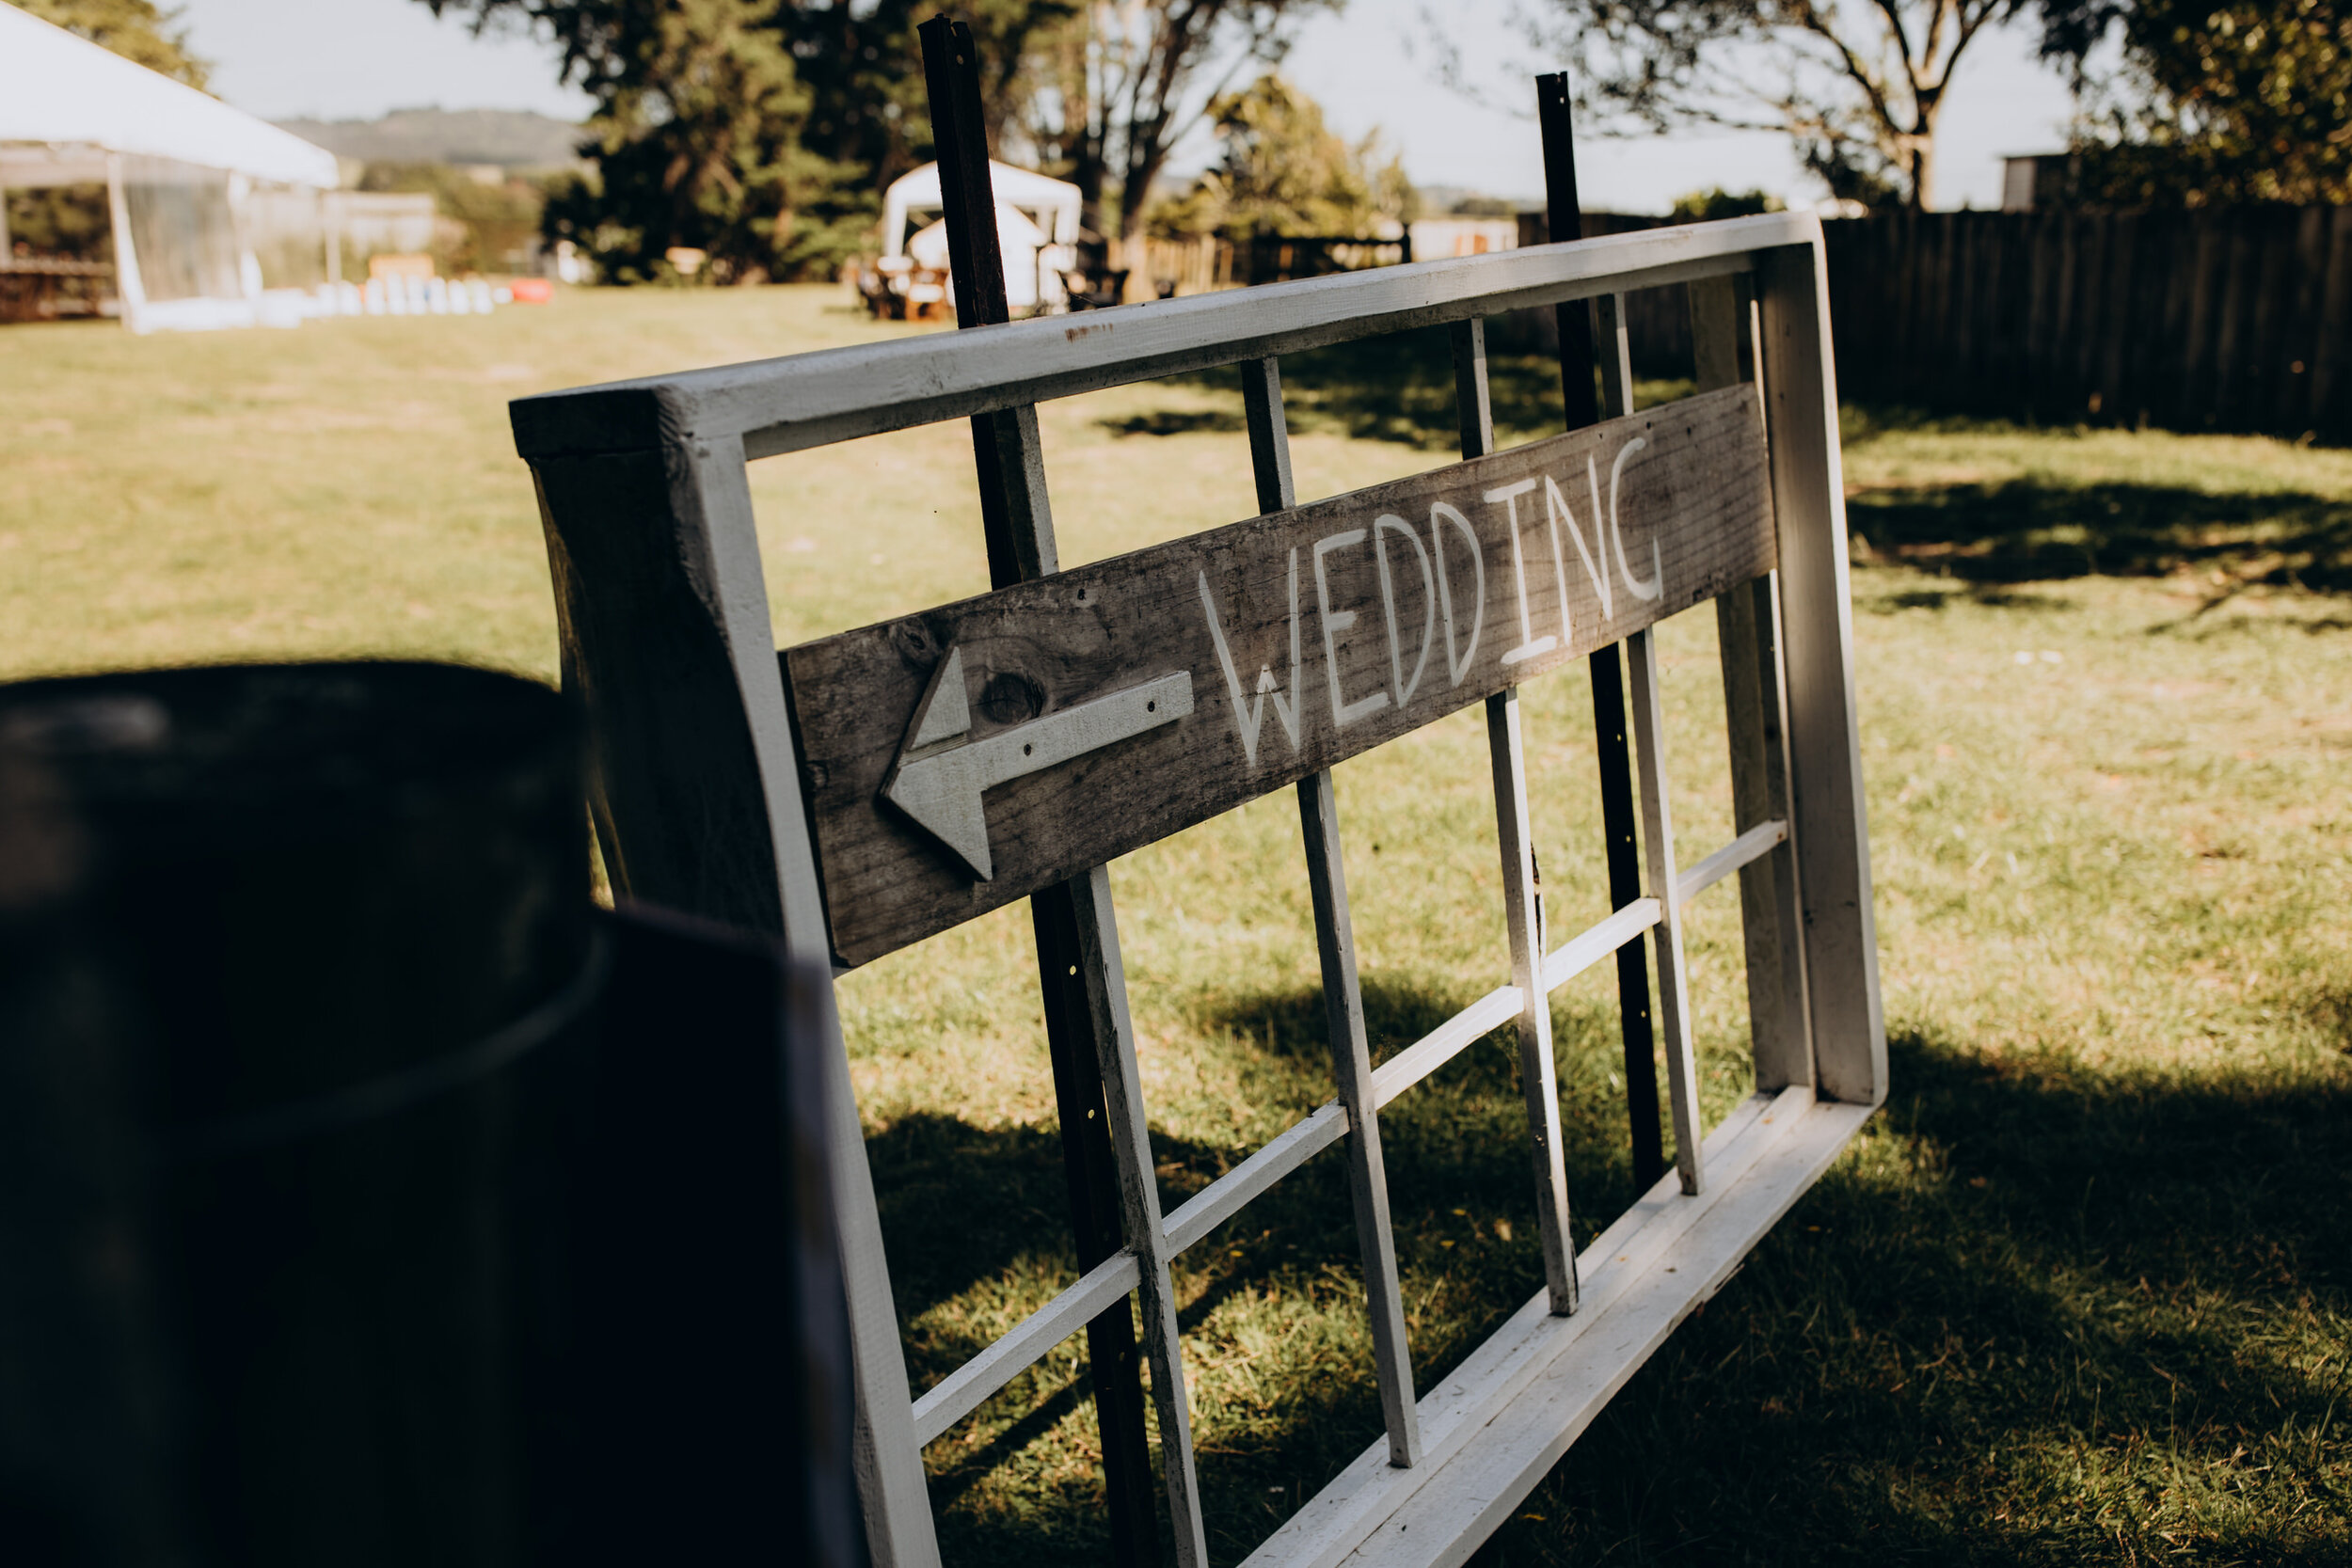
1018,522
1565,218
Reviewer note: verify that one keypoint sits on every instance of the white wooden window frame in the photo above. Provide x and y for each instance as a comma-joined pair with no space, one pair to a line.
666,638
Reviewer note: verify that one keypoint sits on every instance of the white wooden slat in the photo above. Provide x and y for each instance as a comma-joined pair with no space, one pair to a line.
1225,1196
1491,1011
1747,633
788,405
1351,1068
1343,1006
1523,921
1221,1199
713,497
1658,848
1715,312
1780,1030
1828,824
1473,396
1448,1041
663,610
1749,846
966,1389
1588,947
1522,893
1355,1502
1768,1138
1105,979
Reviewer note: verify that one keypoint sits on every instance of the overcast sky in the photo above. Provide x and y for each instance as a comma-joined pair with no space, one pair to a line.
342,59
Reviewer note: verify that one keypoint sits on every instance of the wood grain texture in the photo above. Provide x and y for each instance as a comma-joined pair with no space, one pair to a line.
1828,821
981,1379
1747,635
1693,518
674,783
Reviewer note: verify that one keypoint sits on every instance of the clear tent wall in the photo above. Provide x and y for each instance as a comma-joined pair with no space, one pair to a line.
182,245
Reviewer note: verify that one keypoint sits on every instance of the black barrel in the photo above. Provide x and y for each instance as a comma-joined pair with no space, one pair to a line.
365,1197
278,946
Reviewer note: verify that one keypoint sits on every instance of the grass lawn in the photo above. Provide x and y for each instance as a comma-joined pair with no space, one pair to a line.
2081,1293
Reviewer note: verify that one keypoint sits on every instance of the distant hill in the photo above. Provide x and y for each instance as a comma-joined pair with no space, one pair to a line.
514,138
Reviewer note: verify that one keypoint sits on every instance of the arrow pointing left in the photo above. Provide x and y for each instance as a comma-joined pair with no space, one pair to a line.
940,775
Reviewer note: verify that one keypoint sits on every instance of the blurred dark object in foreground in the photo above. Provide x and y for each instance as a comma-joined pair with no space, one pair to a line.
367,1197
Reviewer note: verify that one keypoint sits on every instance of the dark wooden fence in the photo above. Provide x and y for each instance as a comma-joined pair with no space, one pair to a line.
2236,319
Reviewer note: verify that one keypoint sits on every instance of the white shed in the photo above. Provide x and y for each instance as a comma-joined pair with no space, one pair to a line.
1037,224
180,169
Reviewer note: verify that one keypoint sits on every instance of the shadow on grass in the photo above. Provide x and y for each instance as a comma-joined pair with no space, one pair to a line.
1172,422
1292,1023
1457,1140
964,1207
2044,1319
2041,1316
2028,530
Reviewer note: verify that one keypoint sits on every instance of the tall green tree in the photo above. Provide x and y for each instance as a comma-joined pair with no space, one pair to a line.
869,115
137,30
1117,87
760,131
2212,101
695,134
1859,87
1282,170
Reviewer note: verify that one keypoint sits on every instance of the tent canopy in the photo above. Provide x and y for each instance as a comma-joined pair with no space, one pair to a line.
65,103
1049,203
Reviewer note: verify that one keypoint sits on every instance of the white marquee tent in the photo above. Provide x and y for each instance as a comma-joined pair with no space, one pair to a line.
1037,224
182,171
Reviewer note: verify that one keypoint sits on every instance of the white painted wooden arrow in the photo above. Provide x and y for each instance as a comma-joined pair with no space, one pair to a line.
940,776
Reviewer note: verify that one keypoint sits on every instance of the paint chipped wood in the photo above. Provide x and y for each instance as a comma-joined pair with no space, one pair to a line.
1303,638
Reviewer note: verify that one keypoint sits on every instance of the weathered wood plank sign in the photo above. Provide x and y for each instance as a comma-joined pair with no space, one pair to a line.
856,794
960,759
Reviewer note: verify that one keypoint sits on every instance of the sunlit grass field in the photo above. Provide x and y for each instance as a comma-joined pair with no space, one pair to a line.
2081,1293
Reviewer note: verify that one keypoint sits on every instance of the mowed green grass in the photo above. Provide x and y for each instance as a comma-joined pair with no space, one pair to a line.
2079,1294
